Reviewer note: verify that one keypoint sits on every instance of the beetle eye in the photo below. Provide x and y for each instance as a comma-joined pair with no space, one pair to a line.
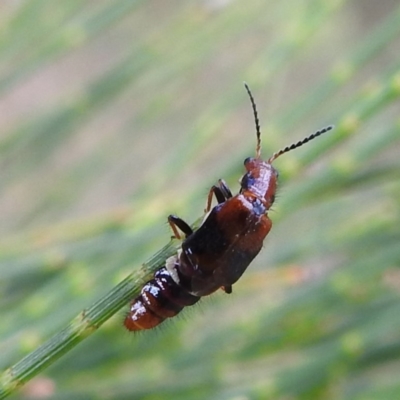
248,160
247,181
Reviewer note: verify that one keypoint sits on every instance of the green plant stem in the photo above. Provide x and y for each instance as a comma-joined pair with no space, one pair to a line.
83,325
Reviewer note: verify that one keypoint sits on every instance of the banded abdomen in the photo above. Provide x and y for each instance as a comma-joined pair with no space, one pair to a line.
159,299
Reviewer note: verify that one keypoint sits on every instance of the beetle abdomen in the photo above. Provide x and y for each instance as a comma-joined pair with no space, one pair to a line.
159,299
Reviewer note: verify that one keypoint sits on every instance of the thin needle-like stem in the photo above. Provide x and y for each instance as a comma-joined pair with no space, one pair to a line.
83,325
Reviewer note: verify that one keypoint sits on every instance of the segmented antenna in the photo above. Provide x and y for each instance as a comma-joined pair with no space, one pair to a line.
253,104
300,143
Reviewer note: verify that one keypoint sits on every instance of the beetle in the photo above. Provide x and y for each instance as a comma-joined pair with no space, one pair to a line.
216,254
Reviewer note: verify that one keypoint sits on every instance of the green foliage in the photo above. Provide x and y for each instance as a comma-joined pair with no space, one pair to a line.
116,114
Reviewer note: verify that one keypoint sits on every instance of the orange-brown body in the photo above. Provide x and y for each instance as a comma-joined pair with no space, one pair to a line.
216,254
219,251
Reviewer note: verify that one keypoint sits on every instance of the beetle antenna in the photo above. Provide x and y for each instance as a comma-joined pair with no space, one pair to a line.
253,104
300,143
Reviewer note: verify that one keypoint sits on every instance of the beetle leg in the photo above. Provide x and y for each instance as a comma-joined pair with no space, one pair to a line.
227,289
175,223
221,193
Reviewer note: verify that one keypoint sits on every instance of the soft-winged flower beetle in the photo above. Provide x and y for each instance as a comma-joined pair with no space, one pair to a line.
216,254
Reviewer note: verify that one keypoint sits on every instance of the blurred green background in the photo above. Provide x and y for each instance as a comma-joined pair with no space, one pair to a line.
115,114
